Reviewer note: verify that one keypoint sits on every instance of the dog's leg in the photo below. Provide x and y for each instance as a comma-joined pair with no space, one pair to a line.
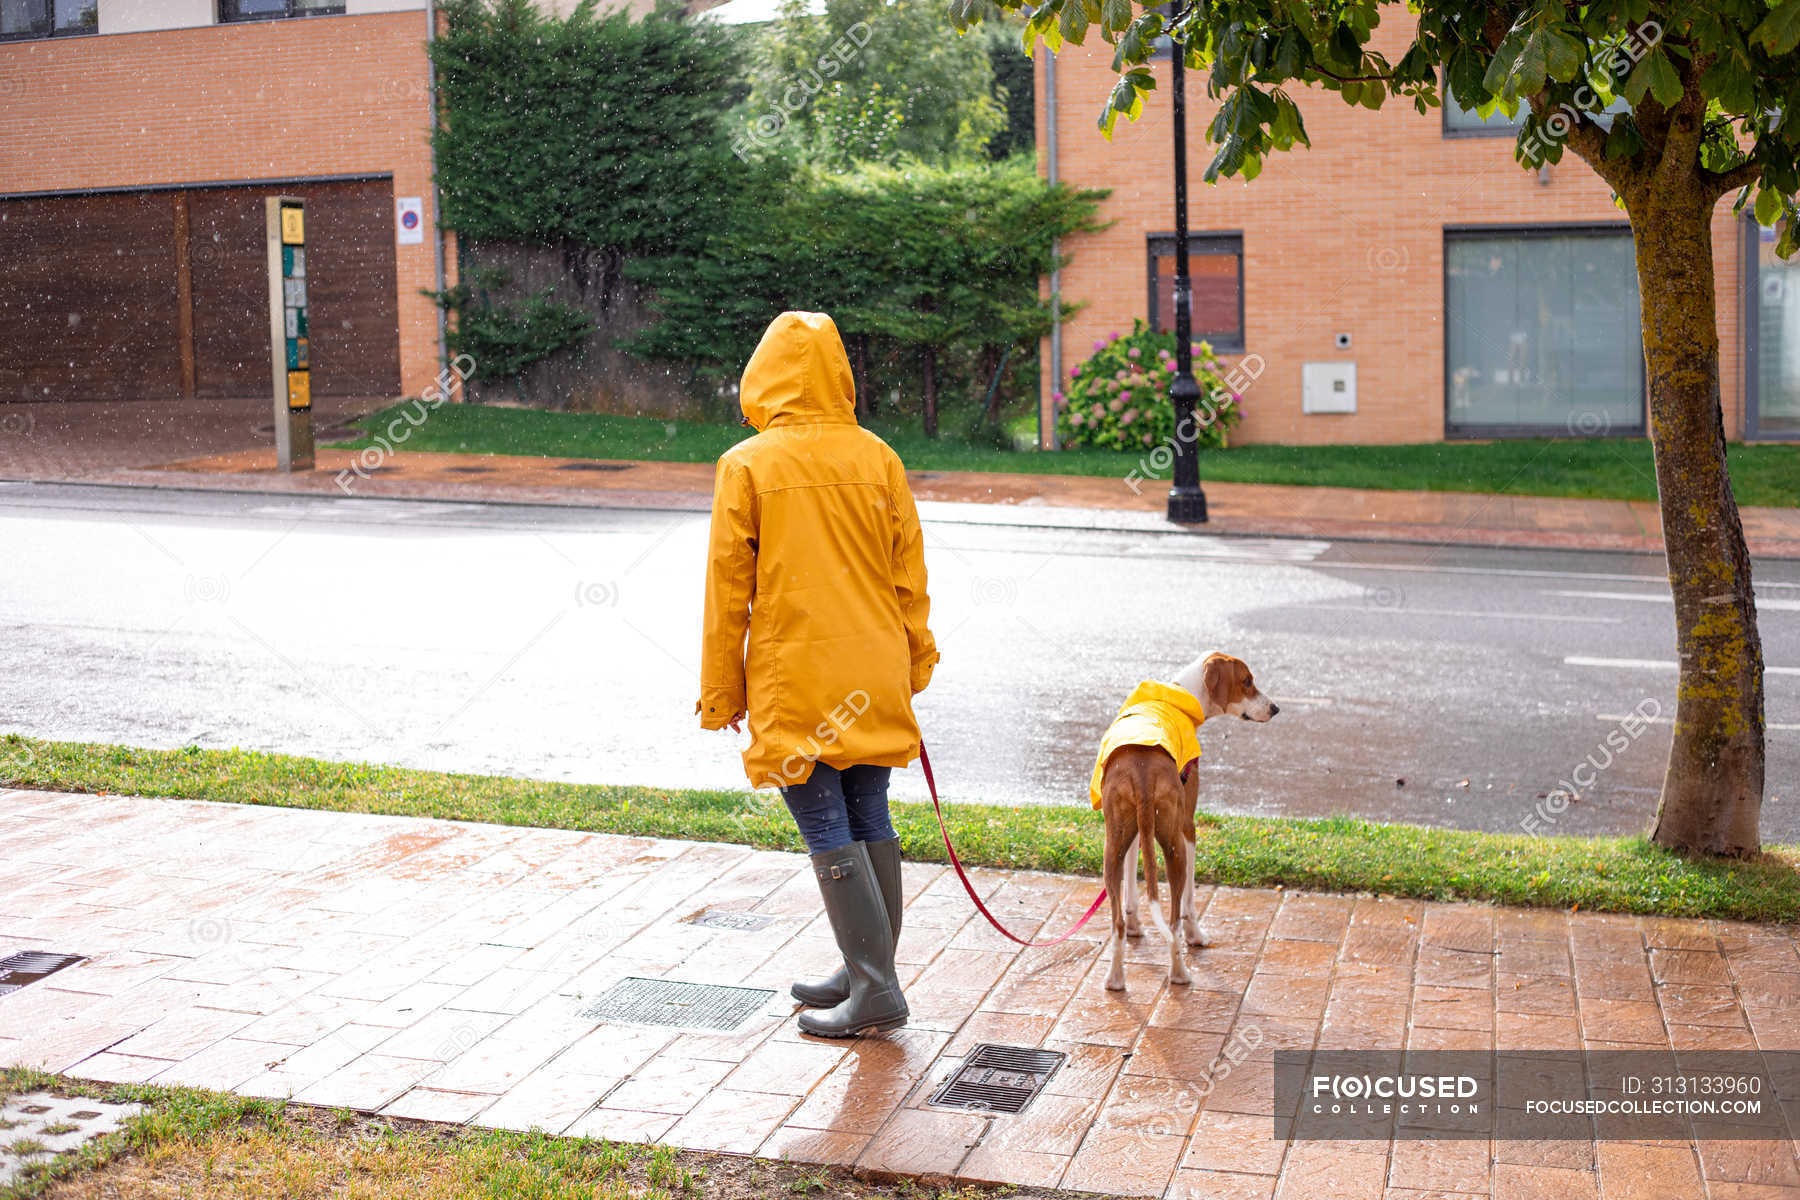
1190,921
1133,927
1115,876
1173,853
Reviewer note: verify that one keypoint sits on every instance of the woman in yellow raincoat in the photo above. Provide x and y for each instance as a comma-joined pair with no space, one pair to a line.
815,630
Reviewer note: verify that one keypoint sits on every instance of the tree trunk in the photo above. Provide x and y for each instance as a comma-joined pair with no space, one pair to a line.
1712,790
931,413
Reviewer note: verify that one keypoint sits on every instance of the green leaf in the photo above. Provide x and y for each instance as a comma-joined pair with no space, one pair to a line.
1768,206
1115,14
1779,32
1464,77
1501,69
1074,23
1533,66
1563,55
1657,76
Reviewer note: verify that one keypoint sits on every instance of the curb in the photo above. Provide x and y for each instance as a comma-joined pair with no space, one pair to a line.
1020,516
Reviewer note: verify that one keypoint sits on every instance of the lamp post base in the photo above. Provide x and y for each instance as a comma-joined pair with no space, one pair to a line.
1187,506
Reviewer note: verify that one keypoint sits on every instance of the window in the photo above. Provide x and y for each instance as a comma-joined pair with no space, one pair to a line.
1541,332
1771,337
1216,280
1466,122
268,10
20,19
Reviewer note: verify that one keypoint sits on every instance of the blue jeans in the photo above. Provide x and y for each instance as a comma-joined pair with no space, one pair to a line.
834,808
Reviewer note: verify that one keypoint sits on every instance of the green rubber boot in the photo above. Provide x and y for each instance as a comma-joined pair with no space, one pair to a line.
831,990
859,921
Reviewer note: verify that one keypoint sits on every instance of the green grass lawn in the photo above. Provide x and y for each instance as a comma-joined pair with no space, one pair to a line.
1597,469
192,1143
1336,854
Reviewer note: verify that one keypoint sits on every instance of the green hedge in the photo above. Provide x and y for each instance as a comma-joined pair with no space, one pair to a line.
590,131
607,134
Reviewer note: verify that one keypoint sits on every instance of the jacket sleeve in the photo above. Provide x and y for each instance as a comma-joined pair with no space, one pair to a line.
730,587
909,581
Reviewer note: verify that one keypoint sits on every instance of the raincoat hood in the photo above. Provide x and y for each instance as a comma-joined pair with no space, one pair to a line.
799,374
1155,714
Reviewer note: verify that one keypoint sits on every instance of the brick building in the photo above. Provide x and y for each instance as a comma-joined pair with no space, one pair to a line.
1423,282
138,139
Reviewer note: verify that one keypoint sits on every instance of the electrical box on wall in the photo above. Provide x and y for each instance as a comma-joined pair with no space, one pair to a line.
1328,387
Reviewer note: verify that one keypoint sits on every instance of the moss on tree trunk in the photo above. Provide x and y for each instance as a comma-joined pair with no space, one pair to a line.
1712,791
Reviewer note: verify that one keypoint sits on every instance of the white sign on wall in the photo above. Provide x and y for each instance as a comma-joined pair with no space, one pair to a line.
409,220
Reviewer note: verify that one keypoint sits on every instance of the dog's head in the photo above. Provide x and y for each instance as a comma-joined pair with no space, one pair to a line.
1226,688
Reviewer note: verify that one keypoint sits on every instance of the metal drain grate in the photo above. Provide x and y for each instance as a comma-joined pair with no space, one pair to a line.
998,1079
710,1006
726,918
29,966
469,470
594,466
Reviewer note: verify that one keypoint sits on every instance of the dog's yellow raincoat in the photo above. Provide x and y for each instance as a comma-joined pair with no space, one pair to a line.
816,556
1155,714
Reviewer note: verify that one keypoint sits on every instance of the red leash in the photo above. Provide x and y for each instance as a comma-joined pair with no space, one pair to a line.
969,885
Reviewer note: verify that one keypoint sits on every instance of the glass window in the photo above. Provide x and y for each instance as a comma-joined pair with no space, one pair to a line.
1458,119
1215,279
1776,371
1541,333
264,10
1466,121
21,19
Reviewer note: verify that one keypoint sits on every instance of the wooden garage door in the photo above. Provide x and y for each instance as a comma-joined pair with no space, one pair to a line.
349,287
90,296
87,298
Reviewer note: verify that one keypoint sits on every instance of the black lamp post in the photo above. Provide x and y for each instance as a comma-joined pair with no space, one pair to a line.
1187,503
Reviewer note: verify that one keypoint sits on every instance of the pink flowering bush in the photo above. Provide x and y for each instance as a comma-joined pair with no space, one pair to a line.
1119,398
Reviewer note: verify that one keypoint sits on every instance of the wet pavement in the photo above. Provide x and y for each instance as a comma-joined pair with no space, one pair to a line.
448,971
561,643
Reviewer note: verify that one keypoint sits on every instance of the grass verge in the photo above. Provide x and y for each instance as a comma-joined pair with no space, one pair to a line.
194,1143
1606,469
1336,854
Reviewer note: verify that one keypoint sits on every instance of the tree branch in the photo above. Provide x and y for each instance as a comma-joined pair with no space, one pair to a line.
1743,175
1687,126
1588,141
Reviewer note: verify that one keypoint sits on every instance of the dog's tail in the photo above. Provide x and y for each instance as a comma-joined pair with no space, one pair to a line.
1146,815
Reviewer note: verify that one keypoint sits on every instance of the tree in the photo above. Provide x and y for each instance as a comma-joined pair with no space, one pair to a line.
592,133
868,59
935,262
1701,100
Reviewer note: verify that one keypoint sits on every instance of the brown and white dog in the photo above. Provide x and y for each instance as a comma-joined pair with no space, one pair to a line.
1145,798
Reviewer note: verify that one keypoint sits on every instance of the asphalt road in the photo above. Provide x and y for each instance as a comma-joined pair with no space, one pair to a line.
562,643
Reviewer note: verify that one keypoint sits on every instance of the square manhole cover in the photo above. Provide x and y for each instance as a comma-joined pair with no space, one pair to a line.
725,918
711,1006
998,1079
29,966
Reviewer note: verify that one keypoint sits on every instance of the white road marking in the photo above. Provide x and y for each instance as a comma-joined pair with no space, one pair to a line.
1428,568
1620,718
1651,664
1762,604
1410,611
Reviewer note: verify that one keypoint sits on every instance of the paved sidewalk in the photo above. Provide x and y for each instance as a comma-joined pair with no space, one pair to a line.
438,970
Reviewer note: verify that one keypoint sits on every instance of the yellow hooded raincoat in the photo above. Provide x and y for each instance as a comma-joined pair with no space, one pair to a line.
1155,714
816,556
